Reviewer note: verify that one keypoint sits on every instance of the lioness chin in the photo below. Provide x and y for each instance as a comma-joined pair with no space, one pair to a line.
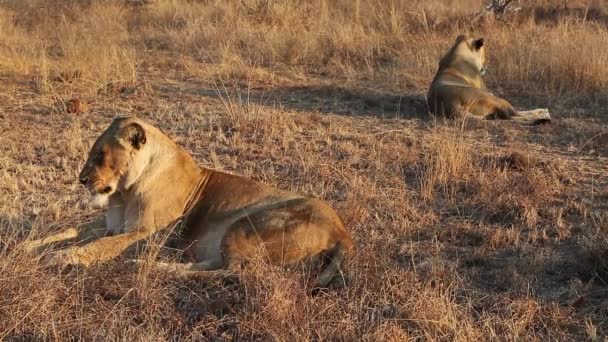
458,87
149,182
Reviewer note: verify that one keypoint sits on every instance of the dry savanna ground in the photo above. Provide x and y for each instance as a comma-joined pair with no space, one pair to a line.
464,230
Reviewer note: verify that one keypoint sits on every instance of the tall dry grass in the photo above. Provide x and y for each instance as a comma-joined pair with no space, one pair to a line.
394,45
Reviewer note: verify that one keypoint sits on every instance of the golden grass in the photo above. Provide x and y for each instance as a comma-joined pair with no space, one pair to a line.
464,230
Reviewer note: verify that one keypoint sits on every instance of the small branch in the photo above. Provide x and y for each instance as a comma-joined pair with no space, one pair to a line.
498,6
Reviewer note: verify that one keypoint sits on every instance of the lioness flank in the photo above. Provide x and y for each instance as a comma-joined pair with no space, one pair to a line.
147,182
458,87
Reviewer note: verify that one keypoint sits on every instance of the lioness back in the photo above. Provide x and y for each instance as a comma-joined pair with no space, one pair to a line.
247,214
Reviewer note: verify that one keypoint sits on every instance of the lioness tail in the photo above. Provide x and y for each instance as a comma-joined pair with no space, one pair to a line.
335,256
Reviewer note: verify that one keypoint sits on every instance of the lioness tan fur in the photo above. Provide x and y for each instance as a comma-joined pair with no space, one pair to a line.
147,182
458,87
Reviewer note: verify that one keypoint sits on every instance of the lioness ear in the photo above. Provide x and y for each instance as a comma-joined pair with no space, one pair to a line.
477,44
135,135
460,38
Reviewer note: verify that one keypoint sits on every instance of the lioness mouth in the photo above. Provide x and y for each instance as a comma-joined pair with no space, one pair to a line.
106,190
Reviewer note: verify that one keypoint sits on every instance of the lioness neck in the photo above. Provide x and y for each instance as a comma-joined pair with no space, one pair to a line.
166,172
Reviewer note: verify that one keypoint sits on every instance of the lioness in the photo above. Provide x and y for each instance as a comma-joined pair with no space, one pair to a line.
458,87
147,182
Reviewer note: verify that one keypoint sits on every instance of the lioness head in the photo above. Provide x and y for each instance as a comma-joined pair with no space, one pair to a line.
110,158
468,49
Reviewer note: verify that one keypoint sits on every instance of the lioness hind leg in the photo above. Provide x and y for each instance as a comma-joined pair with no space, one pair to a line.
535,116
489,107
504,111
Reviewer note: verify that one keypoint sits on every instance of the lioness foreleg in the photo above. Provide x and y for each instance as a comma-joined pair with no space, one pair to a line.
186,269
33,245
85,233
100,250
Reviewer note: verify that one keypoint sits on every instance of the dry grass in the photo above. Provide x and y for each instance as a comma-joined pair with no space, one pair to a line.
464,230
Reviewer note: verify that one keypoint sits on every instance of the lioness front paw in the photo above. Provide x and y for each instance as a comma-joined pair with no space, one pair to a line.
69,257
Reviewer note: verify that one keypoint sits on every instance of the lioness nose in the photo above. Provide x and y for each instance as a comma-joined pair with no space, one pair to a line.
84,180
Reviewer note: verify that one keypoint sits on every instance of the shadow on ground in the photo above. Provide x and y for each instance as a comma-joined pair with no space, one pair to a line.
330,99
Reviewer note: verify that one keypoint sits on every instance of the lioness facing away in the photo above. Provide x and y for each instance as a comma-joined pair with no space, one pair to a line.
458,87
147,182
